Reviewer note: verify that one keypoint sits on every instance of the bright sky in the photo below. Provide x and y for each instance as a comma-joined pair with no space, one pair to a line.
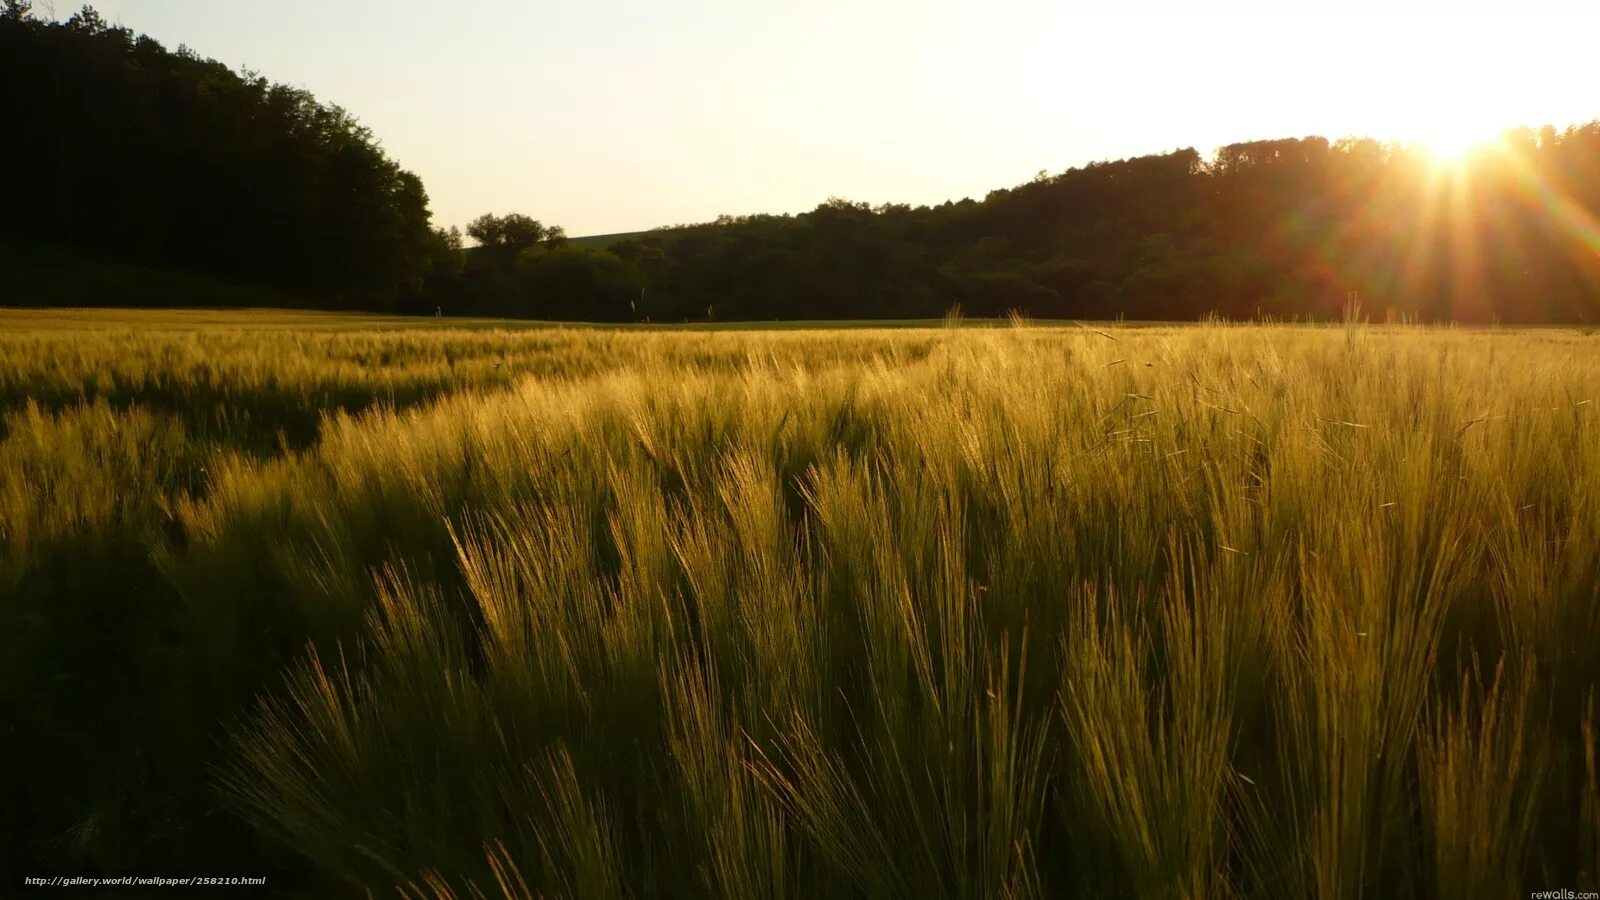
620,115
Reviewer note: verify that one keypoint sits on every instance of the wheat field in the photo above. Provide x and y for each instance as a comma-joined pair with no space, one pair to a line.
1045,610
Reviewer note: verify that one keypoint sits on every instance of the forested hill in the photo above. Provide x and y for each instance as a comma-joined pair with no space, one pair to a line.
119,147
1282,228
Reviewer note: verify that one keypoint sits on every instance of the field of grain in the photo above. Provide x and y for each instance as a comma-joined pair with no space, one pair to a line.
1035,611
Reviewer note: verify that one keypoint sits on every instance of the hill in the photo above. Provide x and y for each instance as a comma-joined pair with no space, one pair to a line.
174,162
603,241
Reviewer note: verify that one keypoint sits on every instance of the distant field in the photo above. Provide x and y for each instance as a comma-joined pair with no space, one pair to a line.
602,241
739,611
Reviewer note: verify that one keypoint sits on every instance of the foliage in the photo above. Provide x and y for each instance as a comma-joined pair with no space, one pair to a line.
509,234
581,283
1285,228
138,153
523,269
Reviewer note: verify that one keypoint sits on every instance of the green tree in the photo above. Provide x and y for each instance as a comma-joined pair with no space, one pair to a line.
510,234
169,159
88,21
579,283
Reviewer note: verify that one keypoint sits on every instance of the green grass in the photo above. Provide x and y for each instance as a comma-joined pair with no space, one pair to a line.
1210,611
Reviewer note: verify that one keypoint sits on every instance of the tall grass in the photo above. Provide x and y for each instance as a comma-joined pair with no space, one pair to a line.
260,383
1206,612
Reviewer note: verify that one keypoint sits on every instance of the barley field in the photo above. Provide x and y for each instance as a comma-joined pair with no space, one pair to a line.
429,610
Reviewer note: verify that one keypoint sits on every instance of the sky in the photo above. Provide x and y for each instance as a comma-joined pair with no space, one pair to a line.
619,115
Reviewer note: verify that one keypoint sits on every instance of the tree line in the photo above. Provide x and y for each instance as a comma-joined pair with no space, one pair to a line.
128,148
1283,228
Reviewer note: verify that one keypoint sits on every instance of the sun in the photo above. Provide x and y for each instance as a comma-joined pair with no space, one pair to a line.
1452,143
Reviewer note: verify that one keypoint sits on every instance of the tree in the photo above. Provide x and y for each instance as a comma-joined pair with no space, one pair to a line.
579,283
88,21
172,160
510,234
444,252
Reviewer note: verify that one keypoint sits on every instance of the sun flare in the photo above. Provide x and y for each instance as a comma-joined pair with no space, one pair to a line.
1452,143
